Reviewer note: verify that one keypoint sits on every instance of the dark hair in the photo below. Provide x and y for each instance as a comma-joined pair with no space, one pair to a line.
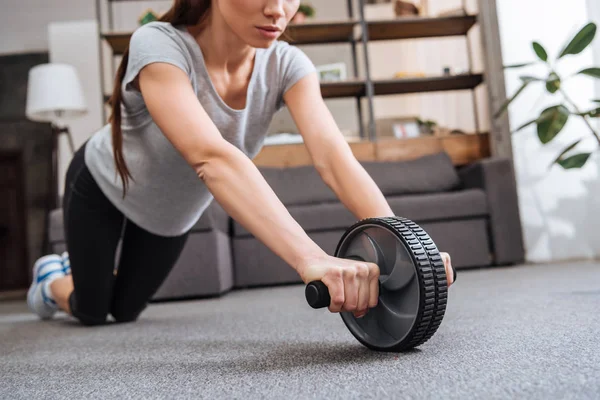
183,12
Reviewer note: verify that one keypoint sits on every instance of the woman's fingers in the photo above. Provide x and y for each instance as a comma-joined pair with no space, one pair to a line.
362,276
373,285
448,265
335,285
351,288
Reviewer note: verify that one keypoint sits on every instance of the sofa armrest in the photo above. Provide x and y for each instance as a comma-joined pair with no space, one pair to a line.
496,177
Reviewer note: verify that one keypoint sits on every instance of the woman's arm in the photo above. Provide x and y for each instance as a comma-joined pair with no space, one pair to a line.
229,174
331,154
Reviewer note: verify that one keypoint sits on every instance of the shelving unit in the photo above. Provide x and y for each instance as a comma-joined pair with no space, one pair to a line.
421,27
357,31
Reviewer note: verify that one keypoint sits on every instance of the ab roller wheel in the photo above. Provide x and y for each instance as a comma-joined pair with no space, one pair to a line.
412,285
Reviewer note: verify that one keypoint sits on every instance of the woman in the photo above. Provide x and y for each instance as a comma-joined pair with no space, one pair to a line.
192,101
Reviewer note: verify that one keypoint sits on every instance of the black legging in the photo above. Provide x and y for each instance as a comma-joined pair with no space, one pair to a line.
93,228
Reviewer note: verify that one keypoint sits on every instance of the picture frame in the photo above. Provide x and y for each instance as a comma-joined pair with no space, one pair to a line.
332,72
398,127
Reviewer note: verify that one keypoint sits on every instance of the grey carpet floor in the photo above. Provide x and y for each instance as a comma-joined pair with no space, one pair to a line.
527,332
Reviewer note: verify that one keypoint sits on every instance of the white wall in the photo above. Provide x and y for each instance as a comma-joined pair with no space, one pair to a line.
559,208
24,23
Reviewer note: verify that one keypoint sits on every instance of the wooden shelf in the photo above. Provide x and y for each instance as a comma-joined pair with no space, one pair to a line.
462,149
413,28
320,32
349,88
429,84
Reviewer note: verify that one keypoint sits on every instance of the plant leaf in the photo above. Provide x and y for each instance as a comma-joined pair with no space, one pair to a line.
529,78
540,51
581,40
507,102
553,83
543,117
596,101
593,72
520,65
575,161
554,120
565,151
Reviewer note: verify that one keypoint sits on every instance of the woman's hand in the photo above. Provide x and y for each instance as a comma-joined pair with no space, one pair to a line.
353,285
449,270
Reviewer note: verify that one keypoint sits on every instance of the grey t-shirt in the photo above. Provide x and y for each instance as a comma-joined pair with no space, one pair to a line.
166,197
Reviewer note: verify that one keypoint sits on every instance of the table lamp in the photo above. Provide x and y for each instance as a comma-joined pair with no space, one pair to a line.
54,94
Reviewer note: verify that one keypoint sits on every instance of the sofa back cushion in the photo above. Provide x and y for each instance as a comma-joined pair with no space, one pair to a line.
298,185
428,174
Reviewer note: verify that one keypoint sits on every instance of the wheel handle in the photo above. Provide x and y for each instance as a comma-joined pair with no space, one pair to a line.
317,295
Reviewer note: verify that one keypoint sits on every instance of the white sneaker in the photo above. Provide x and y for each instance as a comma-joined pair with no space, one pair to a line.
39,297
66,263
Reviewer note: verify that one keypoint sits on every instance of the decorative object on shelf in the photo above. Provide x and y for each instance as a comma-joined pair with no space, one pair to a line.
453,12
553,119
447,71
304,11
406,9
147,17
332,72
426,127
398,127
54,94
408,74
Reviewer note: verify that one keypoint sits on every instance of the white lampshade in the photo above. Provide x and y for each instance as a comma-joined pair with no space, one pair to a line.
54,93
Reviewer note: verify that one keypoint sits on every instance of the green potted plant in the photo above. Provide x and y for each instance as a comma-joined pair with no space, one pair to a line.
304,11
552,120
147,17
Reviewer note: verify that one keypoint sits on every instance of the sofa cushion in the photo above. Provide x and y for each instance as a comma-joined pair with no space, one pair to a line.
419,208
298,185
56,233
427,174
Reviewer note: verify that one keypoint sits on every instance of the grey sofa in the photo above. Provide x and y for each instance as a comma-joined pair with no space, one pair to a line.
470,212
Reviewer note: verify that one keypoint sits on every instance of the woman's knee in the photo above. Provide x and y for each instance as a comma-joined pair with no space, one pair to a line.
86,317
124,314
